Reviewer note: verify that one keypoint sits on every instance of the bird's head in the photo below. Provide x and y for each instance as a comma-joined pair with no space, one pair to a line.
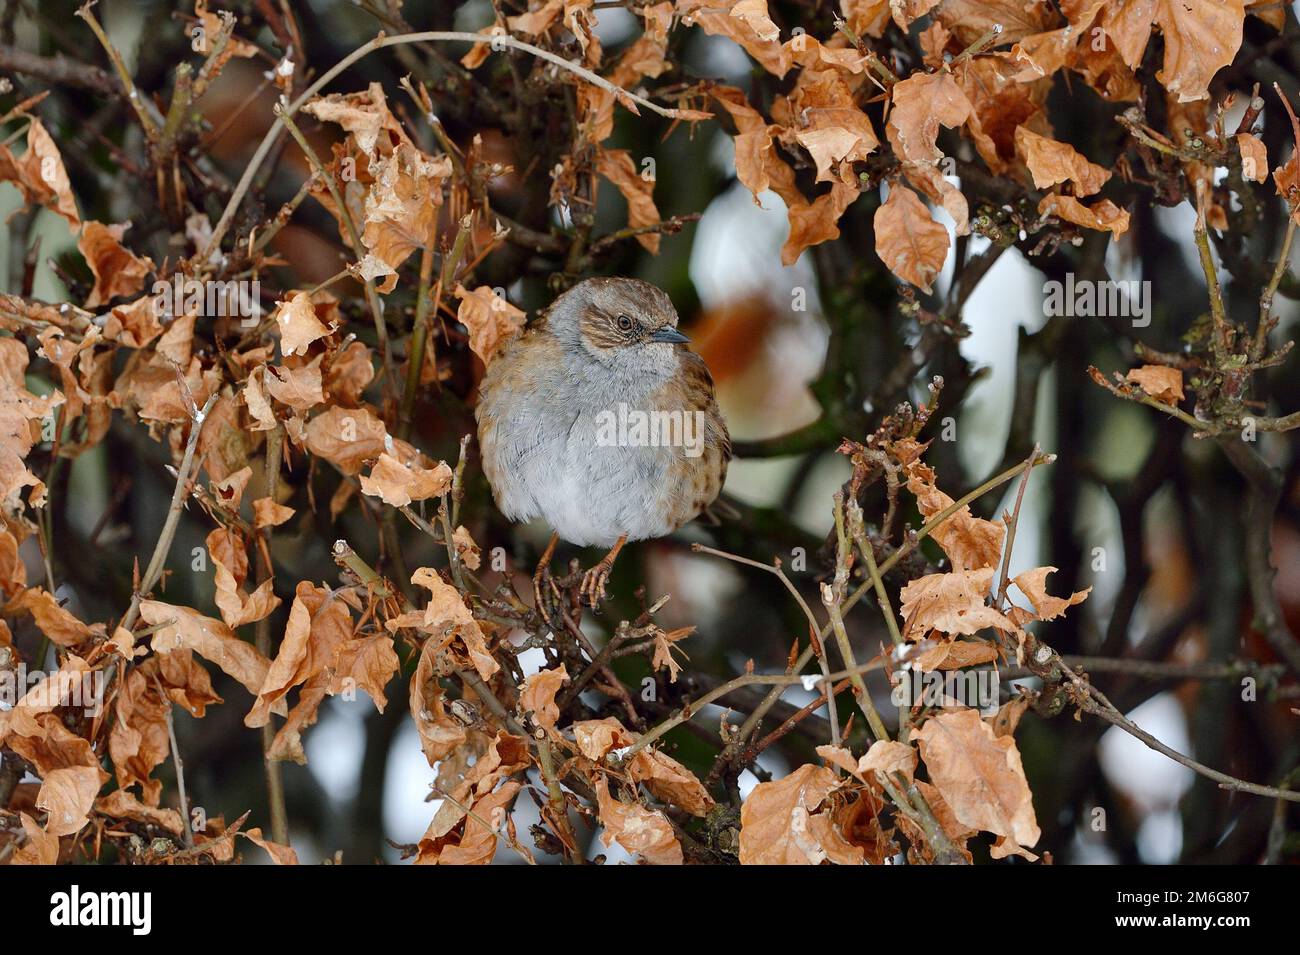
627,325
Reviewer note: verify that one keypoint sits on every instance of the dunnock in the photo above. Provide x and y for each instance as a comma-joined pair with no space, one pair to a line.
600,421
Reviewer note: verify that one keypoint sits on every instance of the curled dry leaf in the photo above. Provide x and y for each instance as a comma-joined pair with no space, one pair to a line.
41,847
1159,381
617,166
322,655
180,628
666,778
121,804
1043,54
67,765
951,654
122,642
1007,718
267,513
1286,177
44,697
665,642
54,621
822,115
888,757
446,614
537,22
230,489
1103,216
213,23
866,17
537,696
280,854
753,141
643,832
472,792
466,549
397,484
1052,162
1001,102
364,115
753,13
908,240
299,326
117,270
491,319
670,781
884,756
138,740
255,400
230,568
20,415
299,388
476,843
951,603
351,370
774,820
644,57
13,572
40,175
1033,584
1200,39
440,734
1254,157
596,738
812,223
922,103
717,20
68,794
970,542
349,437
980,776
401,207
971,19
291,665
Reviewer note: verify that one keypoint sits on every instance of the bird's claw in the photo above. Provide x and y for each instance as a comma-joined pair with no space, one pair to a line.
544,583
593,584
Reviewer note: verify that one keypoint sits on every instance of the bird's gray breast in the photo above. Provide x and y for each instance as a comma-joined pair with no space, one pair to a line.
574,457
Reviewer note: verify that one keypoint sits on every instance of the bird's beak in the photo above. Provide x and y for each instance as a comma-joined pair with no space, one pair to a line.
669,334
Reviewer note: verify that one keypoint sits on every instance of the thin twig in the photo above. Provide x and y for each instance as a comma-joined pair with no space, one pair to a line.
262,639
1266,320
372,296
1011,533
559,806
629,100
132,94
186,832
168,533
1093,701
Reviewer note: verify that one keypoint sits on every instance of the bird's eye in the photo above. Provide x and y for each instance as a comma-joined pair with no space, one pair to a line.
624,323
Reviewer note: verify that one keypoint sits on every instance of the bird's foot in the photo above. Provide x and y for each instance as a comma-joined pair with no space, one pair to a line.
544,584
592,590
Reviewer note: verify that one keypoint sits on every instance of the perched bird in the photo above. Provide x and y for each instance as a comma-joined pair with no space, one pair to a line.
599,420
